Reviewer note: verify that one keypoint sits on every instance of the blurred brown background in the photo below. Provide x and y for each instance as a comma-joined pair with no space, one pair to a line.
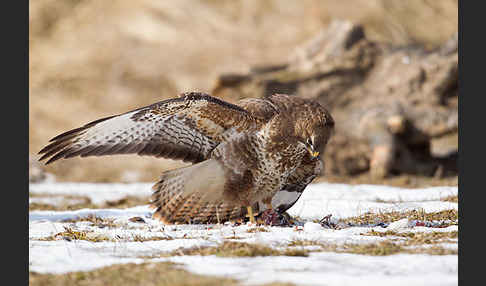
90,59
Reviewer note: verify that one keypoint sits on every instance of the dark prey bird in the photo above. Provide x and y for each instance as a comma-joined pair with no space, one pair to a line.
258,154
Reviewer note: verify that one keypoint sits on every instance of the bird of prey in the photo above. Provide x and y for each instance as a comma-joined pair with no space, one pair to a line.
255,154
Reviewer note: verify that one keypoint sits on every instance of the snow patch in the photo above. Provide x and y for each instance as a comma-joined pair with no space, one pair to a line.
317,201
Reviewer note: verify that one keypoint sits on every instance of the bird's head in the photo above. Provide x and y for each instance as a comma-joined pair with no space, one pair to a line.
302,120
315,141
314,128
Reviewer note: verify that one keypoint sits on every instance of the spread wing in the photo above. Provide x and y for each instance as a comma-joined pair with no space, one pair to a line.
186,128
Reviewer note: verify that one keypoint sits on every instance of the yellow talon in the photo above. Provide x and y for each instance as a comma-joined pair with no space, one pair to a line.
314,154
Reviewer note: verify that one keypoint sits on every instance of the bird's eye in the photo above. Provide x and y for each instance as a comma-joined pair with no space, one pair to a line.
309,142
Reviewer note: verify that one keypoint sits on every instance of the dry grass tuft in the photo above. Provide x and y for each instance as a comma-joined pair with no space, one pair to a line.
257,229
241,249
453,199
148,274
419,238
70,234
387,248
434,250
414,243
95,221
387,217
140,238
376,249
304,242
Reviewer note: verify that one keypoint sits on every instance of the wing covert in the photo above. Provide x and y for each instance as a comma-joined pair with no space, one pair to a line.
187,128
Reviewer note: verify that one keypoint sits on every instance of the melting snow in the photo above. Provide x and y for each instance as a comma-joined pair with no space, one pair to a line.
320,268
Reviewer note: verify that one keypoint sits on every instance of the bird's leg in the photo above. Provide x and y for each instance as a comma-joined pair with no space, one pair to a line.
249,210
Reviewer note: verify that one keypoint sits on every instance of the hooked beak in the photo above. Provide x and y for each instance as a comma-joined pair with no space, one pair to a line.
314,154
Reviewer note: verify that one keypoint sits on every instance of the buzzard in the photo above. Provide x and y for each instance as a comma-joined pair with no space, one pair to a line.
258,154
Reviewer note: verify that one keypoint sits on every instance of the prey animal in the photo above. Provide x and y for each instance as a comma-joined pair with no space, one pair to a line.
255,155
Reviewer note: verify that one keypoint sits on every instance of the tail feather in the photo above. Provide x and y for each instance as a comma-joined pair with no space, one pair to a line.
194,194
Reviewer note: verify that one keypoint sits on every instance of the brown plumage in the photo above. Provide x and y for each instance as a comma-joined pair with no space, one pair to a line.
243,154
